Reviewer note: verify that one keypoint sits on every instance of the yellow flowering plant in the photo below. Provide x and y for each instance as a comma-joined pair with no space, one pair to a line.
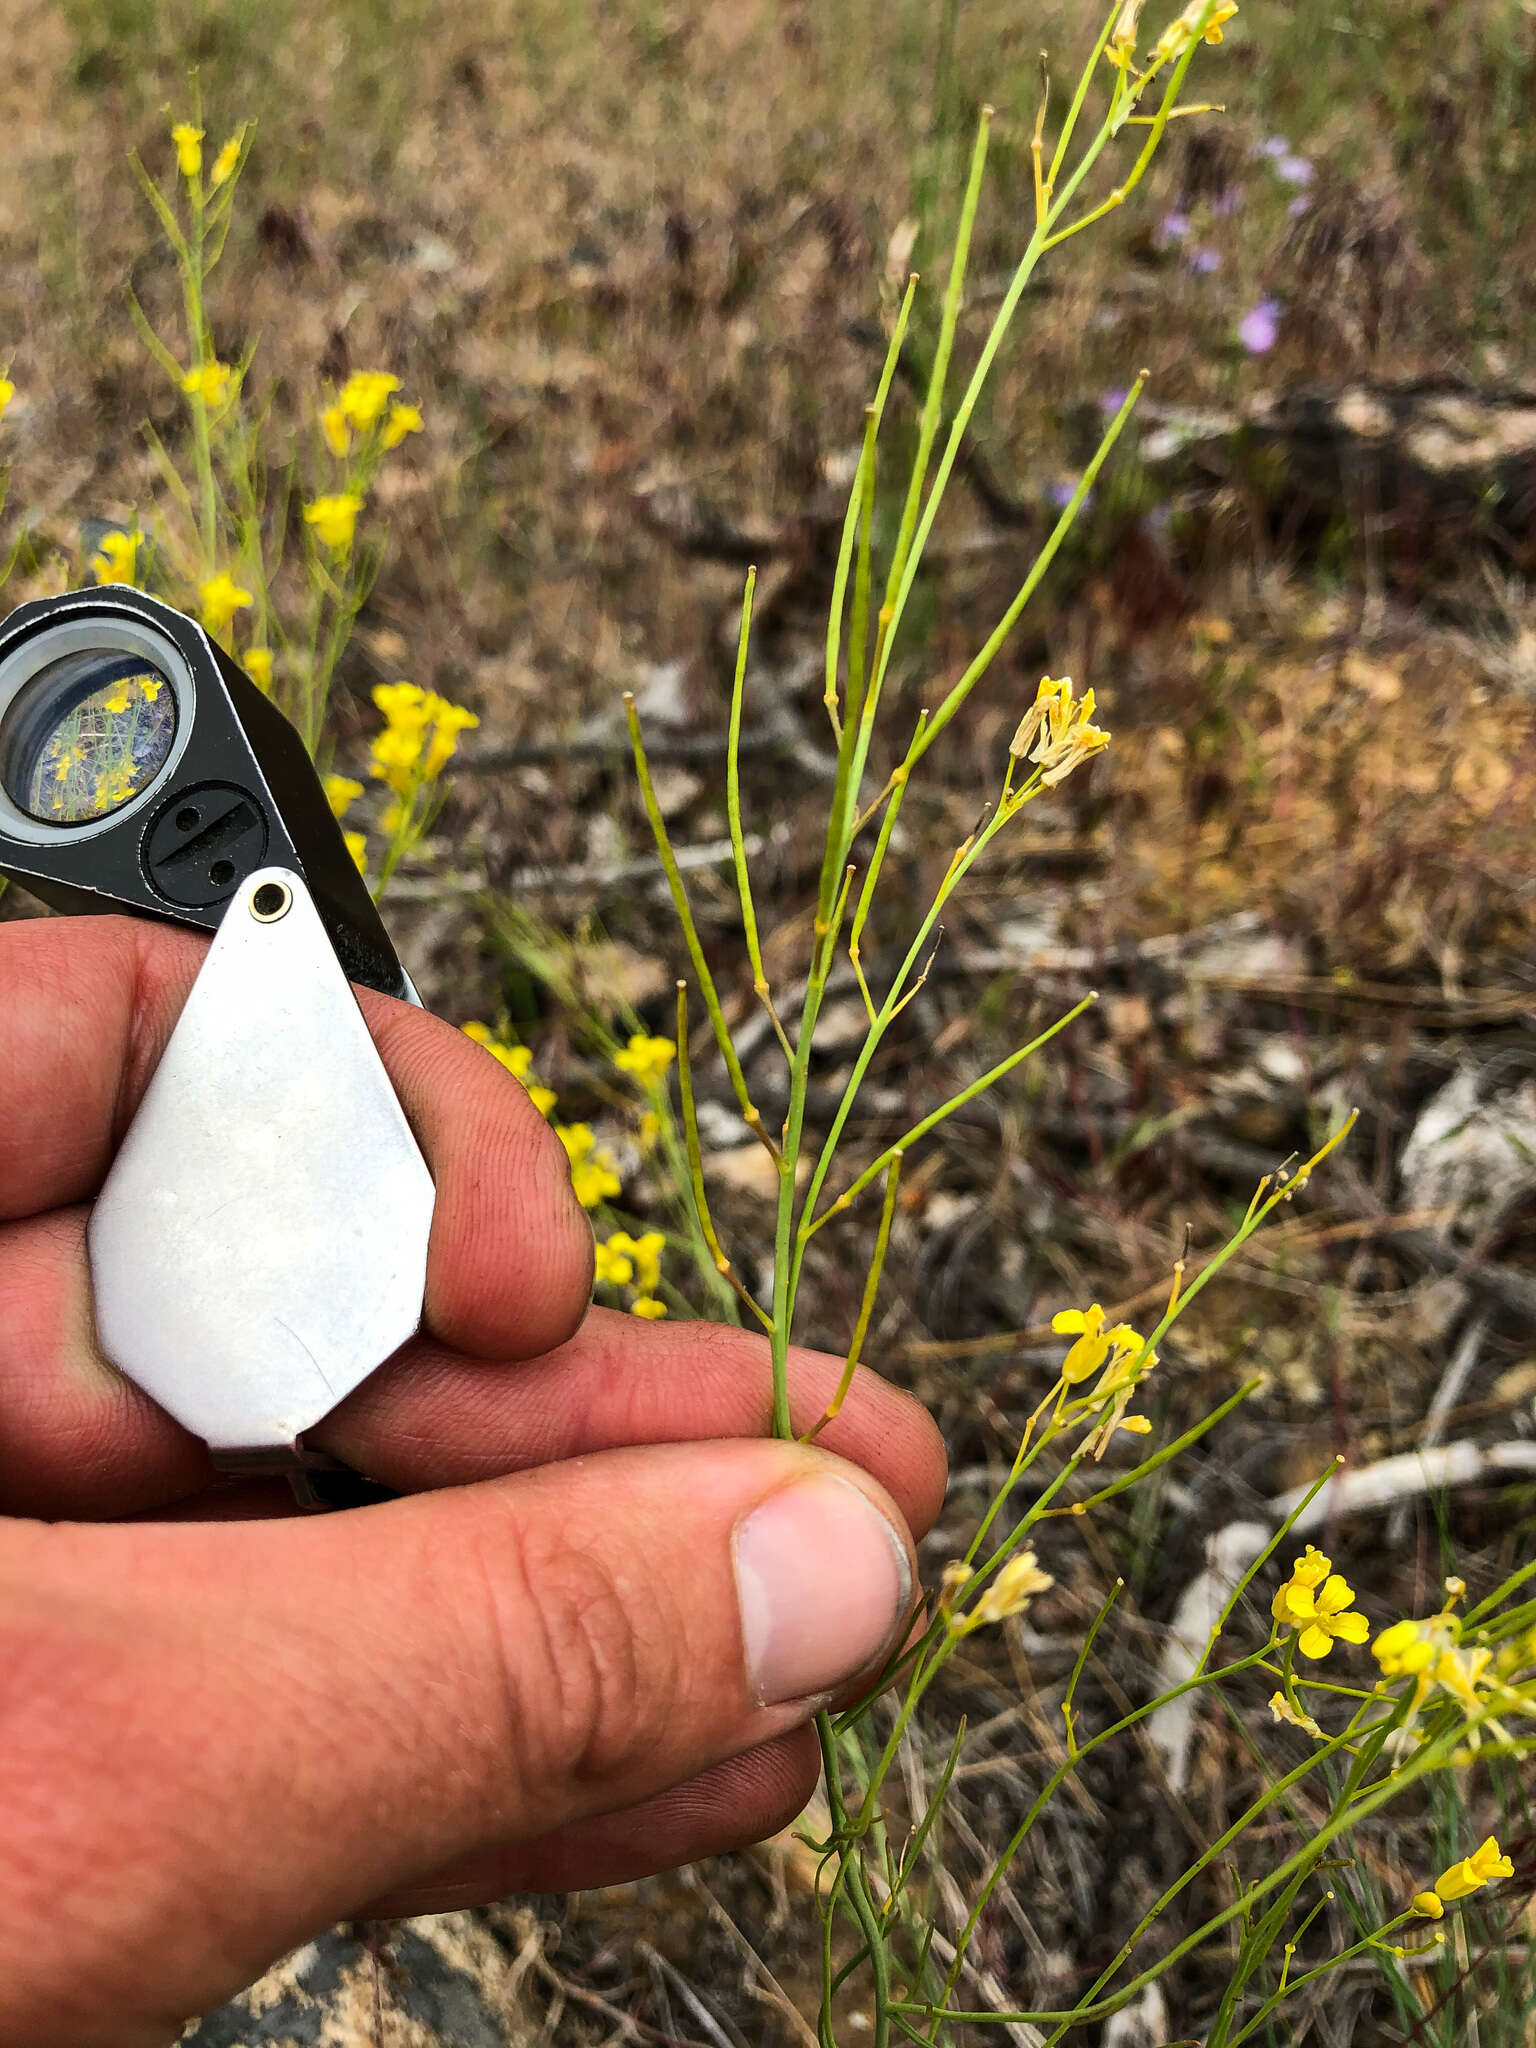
893,1938
222,535
1430,1701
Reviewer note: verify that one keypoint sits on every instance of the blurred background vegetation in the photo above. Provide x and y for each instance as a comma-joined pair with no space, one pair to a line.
635,262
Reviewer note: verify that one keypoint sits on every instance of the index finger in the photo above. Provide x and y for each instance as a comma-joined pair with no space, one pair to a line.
86,1006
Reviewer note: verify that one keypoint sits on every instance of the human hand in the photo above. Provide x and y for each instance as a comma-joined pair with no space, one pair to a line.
591,1653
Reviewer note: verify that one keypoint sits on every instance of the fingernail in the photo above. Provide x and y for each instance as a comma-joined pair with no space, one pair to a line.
824,1584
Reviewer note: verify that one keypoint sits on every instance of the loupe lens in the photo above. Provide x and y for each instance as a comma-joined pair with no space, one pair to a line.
86,735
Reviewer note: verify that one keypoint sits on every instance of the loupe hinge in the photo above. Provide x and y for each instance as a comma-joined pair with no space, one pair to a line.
319,1481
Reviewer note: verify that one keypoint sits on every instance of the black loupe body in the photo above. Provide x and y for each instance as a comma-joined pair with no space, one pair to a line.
140,770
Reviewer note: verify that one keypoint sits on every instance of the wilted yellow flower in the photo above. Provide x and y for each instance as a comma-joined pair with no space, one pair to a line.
1011,1591
341,793
357,846
7,393
647,1059
334,518
1486,1865
224,163
1121,49
403,419
189,148
116,559
221,598
1057,732
649,1307
1461,1672
258,666
338,435
1282,1710
1178,35
209,382
365,395
644,1253
1315,1601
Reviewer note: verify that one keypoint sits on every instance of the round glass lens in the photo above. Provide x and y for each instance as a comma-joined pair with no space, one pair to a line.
86,735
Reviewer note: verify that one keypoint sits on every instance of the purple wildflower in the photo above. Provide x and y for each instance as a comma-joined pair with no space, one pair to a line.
1298,206
1060,491
1204,262
1227,201
1173,227
1259,328
1273,146
1294,170
1111,401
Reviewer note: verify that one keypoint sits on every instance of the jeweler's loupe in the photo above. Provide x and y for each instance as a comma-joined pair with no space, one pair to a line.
141,771
259,1245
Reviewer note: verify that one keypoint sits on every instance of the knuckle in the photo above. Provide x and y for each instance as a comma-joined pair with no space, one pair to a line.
591,1656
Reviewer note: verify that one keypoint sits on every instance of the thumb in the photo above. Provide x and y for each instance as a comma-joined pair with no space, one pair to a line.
217,1738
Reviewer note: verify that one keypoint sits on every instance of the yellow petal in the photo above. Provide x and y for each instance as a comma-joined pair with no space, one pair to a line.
1315,1643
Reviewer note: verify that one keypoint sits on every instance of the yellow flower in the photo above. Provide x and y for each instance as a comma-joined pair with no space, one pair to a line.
258,666
403,419
649,1130
1428,1903
1057,733
1486,1865
7,393
1405,1649
1178,35
649,1307
341,793
403,704
116,559
357,846
517,1059
647,1059
365,395
645,1254
1282,1710
420,734
1012,1590
338,435
224,163
221,598
209,382
613,1268
448,721
1315,1601
189,148
1092,1346
592,1174
334,518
